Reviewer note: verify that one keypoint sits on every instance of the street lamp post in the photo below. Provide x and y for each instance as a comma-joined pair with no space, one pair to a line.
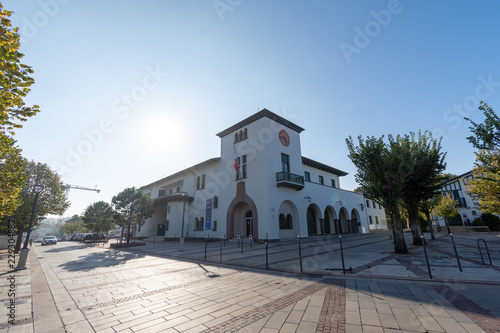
23,256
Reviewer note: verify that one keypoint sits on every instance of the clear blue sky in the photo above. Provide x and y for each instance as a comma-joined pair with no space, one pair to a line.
152,82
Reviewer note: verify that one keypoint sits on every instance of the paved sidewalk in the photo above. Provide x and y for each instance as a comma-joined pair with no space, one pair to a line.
161,288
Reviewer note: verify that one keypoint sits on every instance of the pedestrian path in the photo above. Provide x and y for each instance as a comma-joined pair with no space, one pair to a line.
161,287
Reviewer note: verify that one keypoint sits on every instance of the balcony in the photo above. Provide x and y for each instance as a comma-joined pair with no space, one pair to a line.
287,179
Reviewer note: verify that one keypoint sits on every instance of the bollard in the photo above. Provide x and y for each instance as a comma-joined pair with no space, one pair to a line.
300,254
267,257
342,254
426,258
456,253
242,246
222,240
206,246
250,239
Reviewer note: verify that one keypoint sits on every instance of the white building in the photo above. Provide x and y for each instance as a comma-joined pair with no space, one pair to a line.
276,193
456,188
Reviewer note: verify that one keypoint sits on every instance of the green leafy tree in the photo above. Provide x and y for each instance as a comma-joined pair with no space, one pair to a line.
73,225
378,173
485,187
422,163
52,199
135,208
12,175
485,135
446,209
99,217
15,82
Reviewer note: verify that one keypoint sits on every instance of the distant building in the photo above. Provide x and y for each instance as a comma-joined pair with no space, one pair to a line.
456,188
261,187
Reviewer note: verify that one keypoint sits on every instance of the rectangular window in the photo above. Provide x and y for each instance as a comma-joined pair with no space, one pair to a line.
379,207
242,167
171,191
376,219
161,193
178,190
321,181
370,218
203,177
198,181
367,204
307,176
333,183
285,163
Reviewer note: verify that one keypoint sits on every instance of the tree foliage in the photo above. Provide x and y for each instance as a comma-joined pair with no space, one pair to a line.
422,163
99,217
485,135
378,173
407,169
73,225
15,79
15,82
12,175
485,187
446,208
51,200
134,206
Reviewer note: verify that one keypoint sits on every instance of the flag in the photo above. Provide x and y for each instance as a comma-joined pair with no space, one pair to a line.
235,160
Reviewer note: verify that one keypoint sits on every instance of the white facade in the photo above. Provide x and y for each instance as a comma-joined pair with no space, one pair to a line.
456,189
278,194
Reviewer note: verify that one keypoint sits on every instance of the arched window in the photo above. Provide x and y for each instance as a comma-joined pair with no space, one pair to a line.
195,223
289,221
282,220
245,134
236,137
200,221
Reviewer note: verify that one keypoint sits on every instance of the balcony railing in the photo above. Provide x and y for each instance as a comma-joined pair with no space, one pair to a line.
287,179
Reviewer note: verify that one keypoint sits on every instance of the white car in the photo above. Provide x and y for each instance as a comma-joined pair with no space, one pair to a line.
49,240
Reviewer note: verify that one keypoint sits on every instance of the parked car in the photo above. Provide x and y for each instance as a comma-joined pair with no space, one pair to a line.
49,240
38,240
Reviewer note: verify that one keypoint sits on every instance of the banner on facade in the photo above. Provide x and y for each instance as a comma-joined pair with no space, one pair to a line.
208,218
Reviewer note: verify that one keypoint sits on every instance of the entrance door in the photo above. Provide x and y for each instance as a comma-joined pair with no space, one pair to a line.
161,230
311,222
248,223
328,230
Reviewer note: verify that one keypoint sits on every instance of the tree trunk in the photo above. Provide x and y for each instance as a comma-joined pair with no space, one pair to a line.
123,231
429,219
397,232
128,231
414,223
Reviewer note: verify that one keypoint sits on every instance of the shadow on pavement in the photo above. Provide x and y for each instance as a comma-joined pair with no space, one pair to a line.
108,258
67,248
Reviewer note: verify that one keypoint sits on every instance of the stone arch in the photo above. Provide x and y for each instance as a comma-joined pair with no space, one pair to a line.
235,217
313,220
355,221
344,221
331,227
290,215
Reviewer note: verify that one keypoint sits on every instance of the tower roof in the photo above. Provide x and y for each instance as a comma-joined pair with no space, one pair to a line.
258,115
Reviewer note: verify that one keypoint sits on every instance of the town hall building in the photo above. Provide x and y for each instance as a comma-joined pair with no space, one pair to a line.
260,187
